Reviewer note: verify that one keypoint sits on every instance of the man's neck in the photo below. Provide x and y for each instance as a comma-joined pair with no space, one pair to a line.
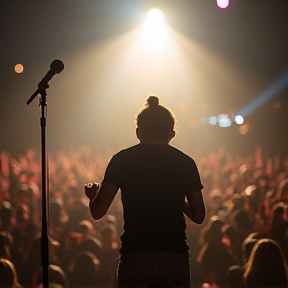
155,141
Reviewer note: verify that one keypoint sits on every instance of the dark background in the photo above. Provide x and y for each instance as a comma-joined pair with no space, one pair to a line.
246,47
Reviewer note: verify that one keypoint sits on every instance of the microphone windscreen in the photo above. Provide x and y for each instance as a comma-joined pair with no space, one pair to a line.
57,66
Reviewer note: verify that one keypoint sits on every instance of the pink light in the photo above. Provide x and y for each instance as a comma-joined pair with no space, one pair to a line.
223,3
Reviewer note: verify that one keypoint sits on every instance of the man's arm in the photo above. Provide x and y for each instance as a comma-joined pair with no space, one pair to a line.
100,198
194,207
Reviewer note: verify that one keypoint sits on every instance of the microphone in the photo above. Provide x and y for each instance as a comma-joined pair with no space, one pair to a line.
55,68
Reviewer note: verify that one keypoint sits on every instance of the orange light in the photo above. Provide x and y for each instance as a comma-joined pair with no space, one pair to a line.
243,129
19,68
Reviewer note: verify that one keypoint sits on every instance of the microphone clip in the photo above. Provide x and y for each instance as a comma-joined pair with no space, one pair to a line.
55,68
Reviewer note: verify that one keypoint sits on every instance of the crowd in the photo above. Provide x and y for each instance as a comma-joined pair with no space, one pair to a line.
243,241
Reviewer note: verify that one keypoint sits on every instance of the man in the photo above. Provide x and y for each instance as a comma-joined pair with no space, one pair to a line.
158,183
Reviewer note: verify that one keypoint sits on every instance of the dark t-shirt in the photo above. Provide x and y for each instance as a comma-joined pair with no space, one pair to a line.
154,180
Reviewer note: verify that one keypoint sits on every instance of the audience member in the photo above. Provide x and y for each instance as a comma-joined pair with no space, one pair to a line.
214,257
266,266
8,275
84,270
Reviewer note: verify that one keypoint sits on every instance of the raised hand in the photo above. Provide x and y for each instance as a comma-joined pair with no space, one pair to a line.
91,190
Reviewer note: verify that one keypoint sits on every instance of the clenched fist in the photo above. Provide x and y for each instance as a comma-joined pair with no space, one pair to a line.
91,190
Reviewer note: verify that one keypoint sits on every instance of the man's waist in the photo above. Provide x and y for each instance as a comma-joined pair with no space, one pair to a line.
165,243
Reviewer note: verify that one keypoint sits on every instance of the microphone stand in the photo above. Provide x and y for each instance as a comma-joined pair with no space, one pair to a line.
56,67
44,233
42,86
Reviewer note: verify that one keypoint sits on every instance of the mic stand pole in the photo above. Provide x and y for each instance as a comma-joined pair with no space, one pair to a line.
44,233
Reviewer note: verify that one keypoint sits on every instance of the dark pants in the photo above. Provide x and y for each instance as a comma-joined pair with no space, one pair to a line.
153,269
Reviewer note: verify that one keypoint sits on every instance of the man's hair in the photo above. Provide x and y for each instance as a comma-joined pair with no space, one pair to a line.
155,120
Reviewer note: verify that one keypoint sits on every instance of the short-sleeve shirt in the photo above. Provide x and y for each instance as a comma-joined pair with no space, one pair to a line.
154,180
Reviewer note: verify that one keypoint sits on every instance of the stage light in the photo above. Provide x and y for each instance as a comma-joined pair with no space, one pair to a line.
239,119
19,68
223,4
155,17
224,120
154,29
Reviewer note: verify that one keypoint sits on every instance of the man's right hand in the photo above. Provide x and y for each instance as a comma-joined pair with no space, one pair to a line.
91,190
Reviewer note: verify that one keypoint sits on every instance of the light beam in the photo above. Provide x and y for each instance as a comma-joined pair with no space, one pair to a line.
277,86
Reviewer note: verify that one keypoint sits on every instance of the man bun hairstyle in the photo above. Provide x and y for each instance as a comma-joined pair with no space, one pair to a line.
152,101
155,120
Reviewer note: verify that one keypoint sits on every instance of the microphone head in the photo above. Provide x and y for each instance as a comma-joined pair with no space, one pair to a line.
57,66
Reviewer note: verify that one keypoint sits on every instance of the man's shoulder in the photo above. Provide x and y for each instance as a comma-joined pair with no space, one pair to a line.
125,151
180,153
170,151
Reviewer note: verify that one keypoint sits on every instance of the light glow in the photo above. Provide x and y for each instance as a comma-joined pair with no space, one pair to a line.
19,68
154,28
239,119
212,120
224,120
223,4
172,66
155,17
243,129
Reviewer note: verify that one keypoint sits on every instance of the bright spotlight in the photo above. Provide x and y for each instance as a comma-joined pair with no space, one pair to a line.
239,119
154,28
155,17
223,4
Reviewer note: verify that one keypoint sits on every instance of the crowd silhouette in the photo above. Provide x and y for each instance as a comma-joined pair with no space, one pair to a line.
243,241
